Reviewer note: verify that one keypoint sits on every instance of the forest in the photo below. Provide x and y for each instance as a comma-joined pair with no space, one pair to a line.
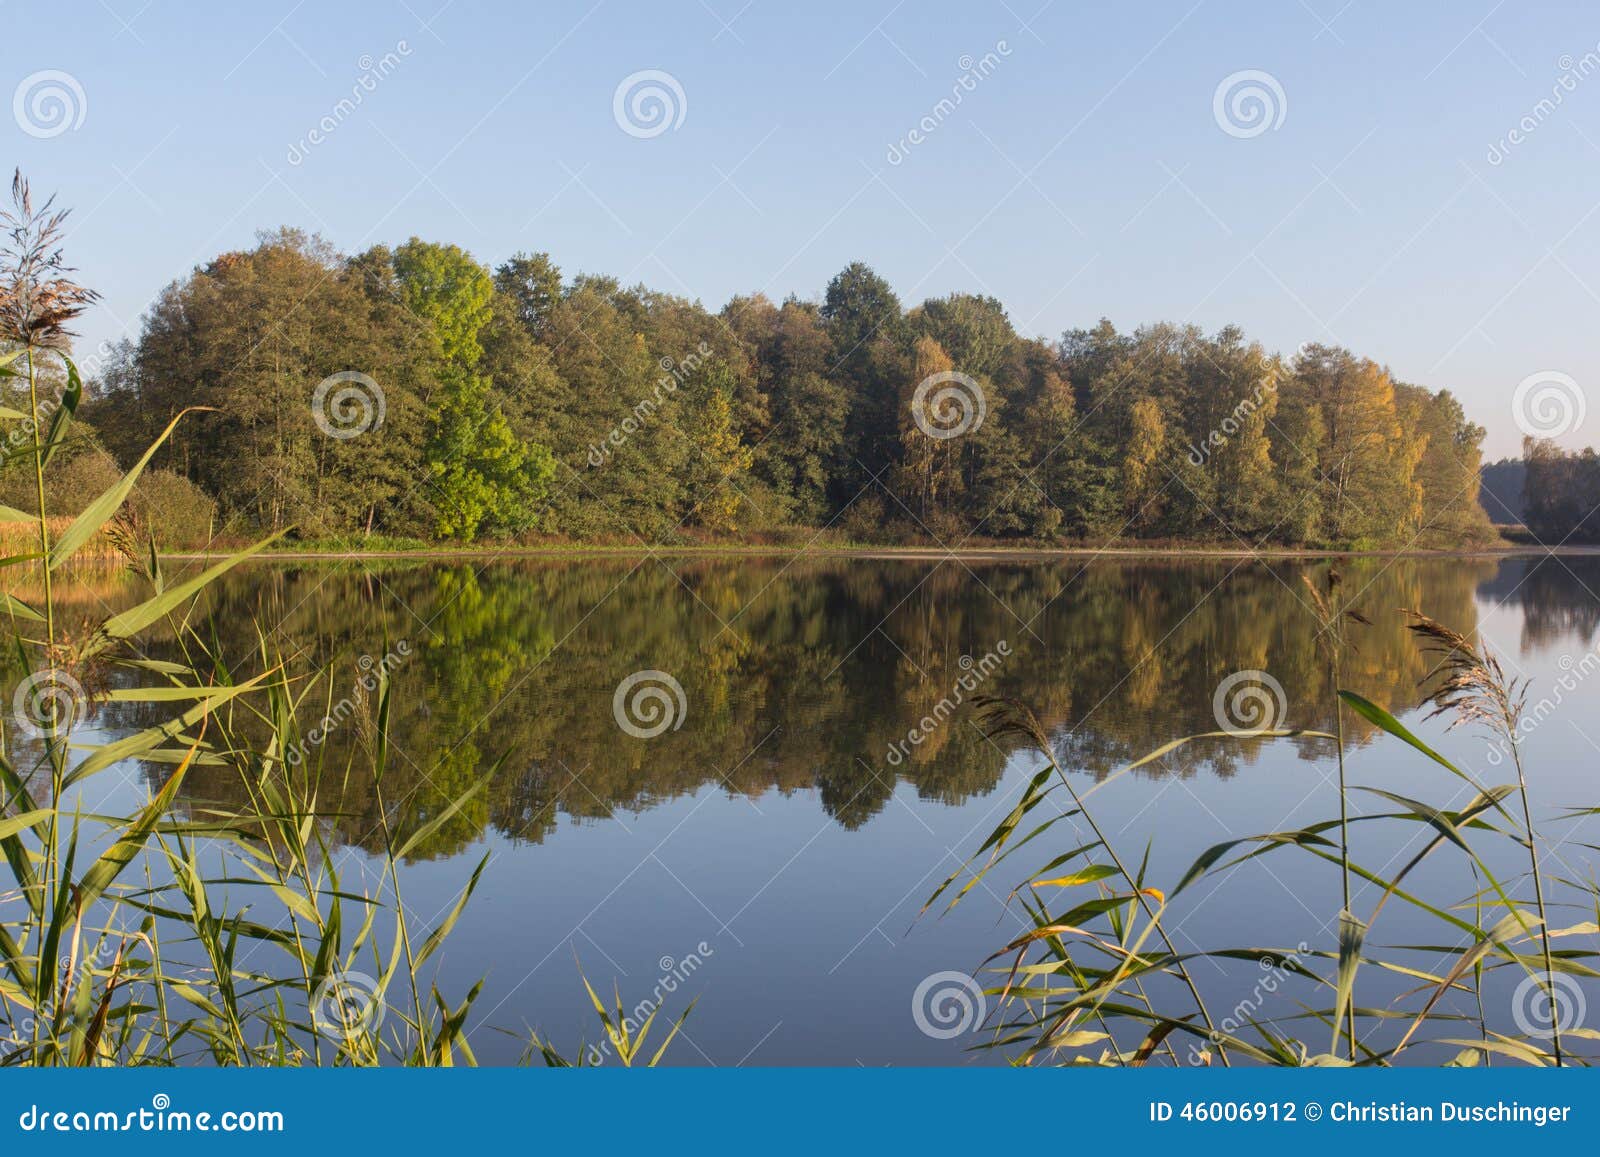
1560,493
414,395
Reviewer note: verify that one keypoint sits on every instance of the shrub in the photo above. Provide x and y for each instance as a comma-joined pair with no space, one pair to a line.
173,510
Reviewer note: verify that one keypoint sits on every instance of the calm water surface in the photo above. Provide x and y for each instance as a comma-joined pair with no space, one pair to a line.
768,853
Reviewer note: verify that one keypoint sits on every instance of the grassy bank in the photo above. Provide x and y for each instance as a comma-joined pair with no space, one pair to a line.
1511,541
300,552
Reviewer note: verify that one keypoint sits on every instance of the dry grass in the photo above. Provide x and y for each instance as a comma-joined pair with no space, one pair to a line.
23,538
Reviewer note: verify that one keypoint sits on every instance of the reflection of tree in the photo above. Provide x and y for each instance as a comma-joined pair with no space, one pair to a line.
853,791
1557,597
797,675
1173,633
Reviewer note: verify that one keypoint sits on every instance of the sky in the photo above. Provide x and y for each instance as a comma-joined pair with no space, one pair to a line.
1420,183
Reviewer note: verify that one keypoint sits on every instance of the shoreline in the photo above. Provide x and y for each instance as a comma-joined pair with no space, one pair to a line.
885,553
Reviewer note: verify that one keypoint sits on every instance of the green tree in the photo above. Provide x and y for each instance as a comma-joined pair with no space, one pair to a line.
720,465
485,479
863,318
252,334
1296,437
623,449
809,407
532,283
1364,474
1233,398
587,408
1448,468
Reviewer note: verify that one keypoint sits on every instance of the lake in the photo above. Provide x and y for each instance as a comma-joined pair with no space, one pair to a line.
732,781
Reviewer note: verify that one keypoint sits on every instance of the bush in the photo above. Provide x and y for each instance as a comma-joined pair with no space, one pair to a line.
864,520
72,483
173,510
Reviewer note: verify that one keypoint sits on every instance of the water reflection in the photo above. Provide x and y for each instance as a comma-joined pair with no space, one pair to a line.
807,675
1556,596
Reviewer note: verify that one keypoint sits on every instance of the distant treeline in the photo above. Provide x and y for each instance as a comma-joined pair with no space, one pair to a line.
1561,493
1501,492
514,402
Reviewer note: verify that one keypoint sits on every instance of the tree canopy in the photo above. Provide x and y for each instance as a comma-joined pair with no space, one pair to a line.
472,402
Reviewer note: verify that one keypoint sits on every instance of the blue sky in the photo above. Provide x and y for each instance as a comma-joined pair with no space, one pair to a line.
1085,175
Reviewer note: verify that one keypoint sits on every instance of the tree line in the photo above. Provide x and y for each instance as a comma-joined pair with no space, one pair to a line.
413,392
1501,494
1560,493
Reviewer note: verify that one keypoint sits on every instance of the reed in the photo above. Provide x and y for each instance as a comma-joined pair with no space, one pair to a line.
199,933
23,537
1097,978
1334,614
